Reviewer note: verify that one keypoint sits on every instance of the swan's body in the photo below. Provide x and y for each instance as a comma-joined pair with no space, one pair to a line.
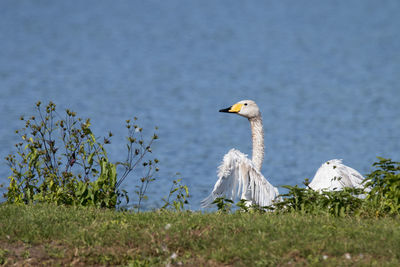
240,176
237,176
333,175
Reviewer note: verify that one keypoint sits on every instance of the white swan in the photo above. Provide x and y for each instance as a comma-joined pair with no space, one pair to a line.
333,175
238,175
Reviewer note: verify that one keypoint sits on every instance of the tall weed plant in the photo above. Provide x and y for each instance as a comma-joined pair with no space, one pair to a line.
59,160
384,181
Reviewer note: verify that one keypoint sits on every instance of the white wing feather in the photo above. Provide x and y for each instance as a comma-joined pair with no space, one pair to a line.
238,176
334,175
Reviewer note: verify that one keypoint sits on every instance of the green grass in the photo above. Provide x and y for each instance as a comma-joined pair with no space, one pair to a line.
57,235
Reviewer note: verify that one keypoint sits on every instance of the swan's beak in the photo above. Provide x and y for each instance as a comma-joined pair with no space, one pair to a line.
225,109
233,109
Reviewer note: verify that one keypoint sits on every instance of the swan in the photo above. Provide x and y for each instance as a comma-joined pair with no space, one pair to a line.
333,175
238,175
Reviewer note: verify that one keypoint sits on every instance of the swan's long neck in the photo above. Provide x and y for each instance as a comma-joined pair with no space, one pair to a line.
257,134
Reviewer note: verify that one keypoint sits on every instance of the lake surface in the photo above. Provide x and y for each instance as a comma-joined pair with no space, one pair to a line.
325,75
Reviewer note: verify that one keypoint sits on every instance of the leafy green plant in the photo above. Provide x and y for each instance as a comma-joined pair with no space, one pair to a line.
77,172
224,205
242,205
306,200
180,193
253,208
384,182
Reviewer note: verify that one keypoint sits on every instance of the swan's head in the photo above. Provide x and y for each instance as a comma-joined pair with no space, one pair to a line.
245,108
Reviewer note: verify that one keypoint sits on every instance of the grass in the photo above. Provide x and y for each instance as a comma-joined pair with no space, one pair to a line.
58,235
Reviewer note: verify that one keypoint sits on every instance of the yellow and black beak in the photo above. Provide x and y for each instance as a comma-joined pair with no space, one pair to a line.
233,109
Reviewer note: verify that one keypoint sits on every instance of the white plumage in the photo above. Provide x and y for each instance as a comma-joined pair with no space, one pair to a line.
333,175
237,176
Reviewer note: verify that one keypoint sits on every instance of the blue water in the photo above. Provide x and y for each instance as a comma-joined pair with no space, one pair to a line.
325,75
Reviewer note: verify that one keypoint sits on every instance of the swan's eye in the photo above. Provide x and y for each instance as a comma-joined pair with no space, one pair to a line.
245,104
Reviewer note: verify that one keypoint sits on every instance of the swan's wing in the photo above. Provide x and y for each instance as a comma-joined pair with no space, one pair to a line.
334,175
237,175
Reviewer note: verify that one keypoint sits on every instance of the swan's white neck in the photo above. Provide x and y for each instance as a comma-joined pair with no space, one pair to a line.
257,134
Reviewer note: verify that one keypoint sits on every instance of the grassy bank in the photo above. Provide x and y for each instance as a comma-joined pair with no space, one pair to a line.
46,234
